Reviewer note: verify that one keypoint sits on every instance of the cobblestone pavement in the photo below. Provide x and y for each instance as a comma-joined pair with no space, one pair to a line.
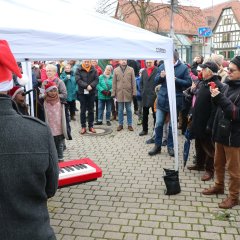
128,202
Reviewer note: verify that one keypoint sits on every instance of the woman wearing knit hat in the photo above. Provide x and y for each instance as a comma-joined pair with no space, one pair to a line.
55,117
28,166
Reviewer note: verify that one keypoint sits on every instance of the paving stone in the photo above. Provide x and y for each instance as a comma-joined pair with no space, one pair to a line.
209,235
114,235
146,237
82,232
215,229
176,233
227,237
66,231
68,237
143,230
130,236
127,229
193,234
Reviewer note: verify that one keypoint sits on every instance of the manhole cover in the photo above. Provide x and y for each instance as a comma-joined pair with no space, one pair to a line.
100,131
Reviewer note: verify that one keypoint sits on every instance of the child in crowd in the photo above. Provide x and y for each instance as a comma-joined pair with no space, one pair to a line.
55,116
18,96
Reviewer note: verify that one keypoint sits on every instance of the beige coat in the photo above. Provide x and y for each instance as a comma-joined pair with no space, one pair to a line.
124,84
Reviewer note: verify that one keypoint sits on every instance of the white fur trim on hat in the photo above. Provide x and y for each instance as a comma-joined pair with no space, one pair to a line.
24,80
5,86
17,91
50,88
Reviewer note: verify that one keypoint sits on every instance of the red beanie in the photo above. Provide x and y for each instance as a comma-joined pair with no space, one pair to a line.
49,86
14,91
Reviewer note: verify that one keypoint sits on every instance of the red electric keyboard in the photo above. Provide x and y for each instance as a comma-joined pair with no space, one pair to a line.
78,171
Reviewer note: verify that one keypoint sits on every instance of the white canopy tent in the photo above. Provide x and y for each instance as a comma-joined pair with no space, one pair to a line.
54,30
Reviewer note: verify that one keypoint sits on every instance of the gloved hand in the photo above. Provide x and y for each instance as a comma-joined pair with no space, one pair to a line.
104,92
109,93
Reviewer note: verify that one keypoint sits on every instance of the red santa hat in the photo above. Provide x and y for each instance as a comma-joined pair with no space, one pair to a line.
8,65
14,91
49,86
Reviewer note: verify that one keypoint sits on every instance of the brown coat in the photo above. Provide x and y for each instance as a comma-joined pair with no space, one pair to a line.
124,84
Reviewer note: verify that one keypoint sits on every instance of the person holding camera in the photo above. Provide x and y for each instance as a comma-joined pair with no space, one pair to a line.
202,120
226,136
68,78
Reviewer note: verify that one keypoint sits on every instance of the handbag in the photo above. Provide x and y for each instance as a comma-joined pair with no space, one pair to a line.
171,181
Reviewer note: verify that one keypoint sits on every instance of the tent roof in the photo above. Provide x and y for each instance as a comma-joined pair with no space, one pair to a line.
60,30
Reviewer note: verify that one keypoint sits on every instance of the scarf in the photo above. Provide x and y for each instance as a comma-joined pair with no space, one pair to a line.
52,100
150,70
87,69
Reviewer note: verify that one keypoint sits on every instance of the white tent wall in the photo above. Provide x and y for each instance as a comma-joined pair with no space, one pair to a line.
42,32
172,104
27,70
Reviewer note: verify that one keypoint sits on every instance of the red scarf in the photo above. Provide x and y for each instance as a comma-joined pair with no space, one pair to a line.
149,71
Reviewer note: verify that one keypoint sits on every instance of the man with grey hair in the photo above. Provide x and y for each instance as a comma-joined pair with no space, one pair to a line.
218,59
124,88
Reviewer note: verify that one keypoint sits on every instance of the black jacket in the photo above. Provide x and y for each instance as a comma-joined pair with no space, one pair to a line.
28,175
204,110
228,107
84,78
147,88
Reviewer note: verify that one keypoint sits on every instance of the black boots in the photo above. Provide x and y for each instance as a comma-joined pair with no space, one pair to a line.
171,152
156,149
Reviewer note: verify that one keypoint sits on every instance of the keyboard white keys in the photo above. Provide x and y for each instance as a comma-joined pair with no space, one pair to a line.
75,170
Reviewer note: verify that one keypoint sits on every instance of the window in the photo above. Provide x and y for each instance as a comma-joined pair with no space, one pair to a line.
226,37
227,21
227,54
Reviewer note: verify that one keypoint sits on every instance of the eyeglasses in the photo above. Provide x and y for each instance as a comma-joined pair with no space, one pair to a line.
231,70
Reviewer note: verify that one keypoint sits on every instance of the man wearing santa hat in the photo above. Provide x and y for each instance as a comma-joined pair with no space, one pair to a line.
28,165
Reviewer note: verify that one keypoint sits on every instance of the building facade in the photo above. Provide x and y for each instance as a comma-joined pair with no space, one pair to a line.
226,37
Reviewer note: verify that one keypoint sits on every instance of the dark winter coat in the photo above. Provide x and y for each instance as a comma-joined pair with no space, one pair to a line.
148,88
138,86
204,110
182,82
228,107
135,65
28,175
84,78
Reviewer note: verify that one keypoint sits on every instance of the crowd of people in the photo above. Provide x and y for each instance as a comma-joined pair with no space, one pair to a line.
210,112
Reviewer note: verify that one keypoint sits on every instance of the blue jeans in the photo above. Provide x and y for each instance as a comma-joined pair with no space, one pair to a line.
160,119
120,113
101,107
